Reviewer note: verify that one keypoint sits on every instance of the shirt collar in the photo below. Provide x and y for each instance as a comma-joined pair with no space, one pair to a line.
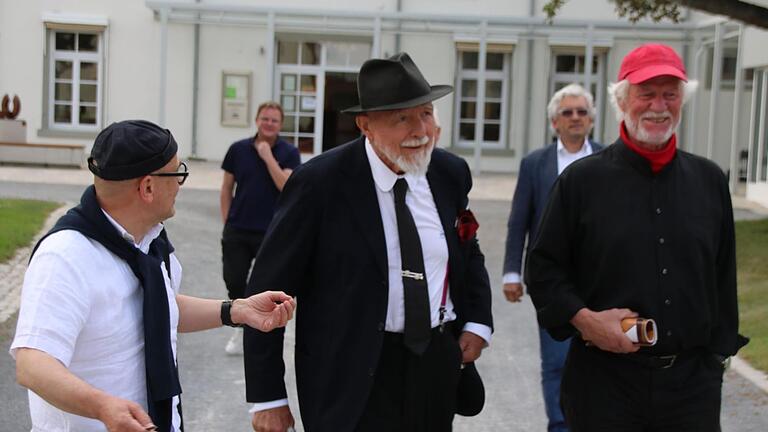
151,235
384,177
585,149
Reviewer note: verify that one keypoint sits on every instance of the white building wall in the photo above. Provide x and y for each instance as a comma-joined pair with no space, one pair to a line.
755,41
132,66
21,59
231,49
436,58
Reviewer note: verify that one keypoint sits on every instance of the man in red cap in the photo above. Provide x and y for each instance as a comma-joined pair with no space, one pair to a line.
651,236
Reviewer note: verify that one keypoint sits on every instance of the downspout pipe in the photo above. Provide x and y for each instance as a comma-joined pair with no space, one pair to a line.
399,21
195,87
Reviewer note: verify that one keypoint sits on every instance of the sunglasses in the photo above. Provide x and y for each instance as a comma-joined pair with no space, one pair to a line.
569,112
182,172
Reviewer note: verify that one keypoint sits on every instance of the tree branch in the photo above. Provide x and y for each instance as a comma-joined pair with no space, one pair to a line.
657,10
738,10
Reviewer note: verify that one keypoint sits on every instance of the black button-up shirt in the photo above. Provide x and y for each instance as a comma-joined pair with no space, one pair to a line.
616,235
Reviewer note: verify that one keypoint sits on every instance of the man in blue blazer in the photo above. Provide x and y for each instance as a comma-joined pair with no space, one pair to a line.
571,112
362,235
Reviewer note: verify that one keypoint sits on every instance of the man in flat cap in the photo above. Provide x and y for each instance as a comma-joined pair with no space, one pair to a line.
100,308
641,229
393,299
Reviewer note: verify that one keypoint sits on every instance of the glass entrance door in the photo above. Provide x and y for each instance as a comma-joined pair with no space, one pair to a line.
340,94
301,99
315,81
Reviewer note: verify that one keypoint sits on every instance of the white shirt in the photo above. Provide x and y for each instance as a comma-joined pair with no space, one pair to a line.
82,305
564,158
420,202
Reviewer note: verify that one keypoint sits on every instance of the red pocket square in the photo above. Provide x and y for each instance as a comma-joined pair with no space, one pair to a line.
466,226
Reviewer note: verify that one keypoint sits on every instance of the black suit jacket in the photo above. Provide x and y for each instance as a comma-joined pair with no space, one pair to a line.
326,247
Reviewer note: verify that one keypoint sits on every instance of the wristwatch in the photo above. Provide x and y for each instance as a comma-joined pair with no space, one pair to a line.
226,314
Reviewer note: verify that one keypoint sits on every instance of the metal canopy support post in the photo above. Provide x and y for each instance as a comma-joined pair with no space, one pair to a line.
756,78
714,95
480,97
733,179
761,126
163,64
271,53
589,52
690,122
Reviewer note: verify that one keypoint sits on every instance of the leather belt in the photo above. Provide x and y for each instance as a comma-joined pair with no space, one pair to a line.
651,361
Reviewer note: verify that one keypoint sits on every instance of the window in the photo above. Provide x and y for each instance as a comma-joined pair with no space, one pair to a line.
74,80
568,68
728,72
493,99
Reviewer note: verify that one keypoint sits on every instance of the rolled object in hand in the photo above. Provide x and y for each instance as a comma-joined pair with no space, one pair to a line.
641,331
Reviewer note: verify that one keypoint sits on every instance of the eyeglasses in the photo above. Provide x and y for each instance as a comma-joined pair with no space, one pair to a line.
569,112
182,172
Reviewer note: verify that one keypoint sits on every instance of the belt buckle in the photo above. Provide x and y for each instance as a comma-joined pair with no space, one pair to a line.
670,358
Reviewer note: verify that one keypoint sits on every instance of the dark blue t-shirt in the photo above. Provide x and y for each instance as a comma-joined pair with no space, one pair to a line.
255,192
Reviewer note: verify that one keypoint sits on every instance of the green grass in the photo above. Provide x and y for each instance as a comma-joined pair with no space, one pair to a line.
20,220
752,256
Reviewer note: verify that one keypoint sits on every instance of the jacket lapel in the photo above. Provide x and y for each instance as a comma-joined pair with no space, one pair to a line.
445,202
550,167
360,194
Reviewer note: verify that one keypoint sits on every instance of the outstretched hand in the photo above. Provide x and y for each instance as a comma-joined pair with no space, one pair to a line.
264,311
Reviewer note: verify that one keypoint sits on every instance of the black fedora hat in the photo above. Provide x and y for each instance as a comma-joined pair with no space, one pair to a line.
393,83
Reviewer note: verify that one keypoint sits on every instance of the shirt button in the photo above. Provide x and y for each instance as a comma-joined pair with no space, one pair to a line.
667,302
381,326
664,271
661,240
371,372
669,332
658,210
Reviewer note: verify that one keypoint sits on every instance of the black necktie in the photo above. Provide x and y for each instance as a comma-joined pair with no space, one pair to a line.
417,311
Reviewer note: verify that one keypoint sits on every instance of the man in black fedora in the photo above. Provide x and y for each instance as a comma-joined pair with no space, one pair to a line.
392,285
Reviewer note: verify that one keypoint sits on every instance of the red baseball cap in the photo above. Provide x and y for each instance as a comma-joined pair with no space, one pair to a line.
649,61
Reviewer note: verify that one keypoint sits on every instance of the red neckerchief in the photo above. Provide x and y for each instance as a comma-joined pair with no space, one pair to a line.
658,158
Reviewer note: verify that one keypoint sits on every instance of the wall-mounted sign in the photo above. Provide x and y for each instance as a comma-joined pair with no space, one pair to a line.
236,99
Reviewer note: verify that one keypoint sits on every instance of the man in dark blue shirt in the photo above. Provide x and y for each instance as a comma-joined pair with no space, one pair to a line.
255,171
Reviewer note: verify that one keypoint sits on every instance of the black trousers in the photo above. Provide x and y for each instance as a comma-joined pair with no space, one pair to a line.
414,393
613,392
238,250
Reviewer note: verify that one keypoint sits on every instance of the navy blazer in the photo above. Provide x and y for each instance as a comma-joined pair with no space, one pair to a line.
326,246
538,172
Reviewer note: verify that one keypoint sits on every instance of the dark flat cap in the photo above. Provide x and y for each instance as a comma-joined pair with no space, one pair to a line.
131,149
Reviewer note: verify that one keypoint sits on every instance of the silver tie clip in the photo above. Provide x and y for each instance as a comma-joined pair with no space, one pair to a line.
412,275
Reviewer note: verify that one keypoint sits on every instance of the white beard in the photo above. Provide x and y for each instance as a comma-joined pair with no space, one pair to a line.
641,134
417,164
